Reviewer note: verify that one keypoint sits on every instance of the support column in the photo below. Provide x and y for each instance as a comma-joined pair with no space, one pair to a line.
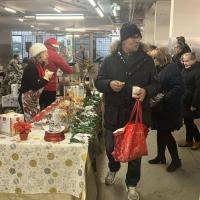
5,46
149,25
91,38
162,23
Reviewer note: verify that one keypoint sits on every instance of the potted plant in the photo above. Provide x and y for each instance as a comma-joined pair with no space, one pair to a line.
23,128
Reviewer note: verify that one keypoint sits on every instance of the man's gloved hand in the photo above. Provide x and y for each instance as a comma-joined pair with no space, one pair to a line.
48,74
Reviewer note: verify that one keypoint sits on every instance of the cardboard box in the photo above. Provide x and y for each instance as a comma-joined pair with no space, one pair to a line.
7,121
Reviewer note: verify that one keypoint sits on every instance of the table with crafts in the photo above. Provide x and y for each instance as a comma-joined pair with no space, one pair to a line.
35,169
39,170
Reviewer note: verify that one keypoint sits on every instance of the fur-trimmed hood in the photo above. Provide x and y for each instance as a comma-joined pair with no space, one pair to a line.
115,46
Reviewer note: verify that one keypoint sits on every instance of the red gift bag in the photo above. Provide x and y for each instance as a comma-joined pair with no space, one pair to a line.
130,144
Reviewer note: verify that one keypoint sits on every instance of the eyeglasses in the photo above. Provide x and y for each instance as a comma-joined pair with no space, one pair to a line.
137,36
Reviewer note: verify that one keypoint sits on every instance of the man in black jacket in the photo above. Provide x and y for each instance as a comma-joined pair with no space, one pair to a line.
128,66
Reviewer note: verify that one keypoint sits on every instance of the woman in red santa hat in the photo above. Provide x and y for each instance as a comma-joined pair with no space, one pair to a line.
55,62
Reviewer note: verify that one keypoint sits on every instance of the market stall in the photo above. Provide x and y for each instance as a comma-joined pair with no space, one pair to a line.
37,169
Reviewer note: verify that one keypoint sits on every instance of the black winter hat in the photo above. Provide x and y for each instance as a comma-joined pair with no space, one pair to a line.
129,30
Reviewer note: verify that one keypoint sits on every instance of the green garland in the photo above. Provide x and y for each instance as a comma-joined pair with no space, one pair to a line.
88,121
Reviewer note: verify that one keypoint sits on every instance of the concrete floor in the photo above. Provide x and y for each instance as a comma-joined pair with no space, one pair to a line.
156,183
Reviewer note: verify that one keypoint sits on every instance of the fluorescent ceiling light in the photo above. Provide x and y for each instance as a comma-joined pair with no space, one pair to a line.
21,19
10,10
99,12
74,14
114,13
56,28
29,17
59,16
32,26
75,29
57,10
92,2
76,36
100,6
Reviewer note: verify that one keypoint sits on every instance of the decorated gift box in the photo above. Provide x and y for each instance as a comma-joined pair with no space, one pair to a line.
10,101
7,122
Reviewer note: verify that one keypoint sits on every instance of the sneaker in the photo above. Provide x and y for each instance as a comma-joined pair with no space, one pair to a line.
196,146
132,194
110,178
186,144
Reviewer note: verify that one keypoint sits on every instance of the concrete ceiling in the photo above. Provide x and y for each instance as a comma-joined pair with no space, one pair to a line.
131,10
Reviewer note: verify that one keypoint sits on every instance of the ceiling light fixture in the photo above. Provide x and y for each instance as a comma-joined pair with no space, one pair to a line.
32,26
29,17
75,29
10,10
57,10
114,13
56,28
59,16
21,19
92,2
99,11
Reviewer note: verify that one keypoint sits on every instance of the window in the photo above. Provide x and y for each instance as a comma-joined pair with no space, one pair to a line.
17,45
103,46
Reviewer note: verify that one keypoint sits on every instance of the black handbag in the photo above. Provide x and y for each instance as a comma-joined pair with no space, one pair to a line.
157,100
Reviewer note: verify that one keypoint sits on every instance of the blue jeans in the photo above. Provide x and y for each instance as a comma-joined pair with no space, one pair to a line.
134,167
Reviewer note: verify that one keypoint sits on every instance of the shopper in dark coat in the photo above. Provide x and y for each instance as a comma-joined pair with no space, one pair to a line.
186,47
128,66
191,100
138,70
180,48
166,115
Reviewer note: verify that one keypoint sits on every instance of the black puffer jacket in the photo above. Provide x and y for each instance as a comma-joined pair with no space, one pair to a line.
169,115
135,70
191,97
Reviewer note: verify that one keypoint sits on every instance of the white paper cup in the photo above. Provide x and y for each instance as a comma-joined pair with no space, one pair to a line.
14,89
135,91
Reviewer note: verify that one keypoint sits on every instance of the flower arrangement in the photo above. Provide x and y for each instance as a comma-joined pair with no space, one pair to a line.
23,128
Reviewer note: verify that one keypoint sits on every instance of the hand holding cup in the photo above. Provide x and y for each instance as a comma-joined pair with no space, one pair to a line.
138,93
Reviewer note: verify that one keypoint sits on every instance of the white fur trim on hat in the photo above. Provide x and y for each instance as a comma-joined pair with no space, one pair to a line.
36,49
55,45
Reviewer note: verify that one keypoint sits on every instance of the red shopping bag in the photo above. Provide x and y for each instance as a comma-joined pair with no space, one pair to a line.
130,144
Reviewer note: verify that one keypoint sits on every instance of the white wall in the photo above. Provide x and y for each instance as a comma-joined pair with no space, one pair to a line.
185,21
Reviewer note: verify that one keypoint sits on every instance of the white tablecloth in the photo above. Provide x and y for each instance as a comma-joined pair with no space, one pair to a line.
38,167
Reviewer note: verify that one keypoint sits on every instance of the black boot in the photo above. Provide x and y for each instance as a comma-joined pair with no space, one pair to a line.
157,160
172,147
161,146
174,165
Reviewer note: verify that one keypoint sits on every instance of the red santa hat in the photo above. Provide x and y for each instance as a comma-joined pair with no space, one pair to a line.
52,41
